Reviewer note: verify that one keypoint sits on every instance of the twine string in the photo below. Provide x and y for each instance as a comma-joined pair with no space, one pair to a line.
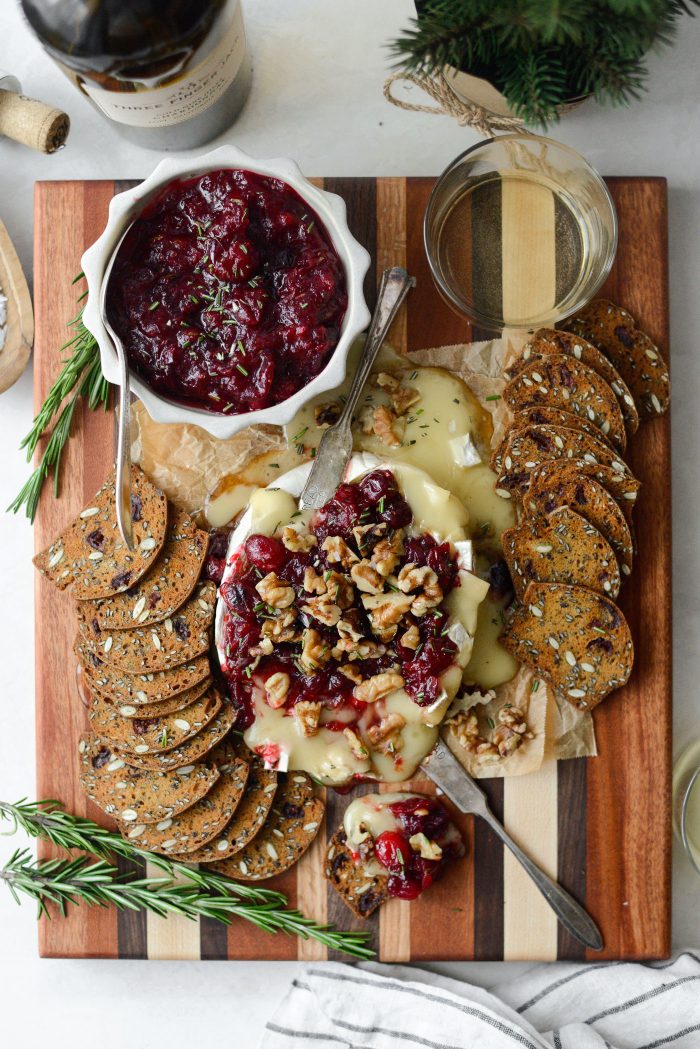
450,104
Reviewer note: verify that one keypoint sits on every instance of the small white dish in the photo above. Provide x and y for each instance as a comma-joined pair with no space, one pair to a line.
330,208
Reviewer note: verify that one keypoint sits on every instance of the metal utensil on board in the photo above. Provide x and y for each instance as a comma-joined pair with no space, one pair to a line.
123,480
446,773
335,447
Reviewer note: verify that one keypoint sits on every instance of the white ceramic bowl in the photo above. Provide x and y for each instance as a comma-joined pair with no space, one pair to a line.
331,210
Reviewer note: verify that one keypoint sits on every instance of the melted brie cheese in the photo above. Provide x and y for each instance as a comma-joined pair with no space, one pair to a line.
277,734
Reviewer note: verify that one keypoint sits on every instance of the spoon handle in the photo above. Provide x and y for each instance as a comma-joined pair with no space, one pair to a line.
335,447
123,482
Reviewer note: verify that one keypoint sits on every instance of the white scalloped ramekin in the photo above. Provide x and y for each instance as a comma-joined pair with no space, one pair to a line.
331,210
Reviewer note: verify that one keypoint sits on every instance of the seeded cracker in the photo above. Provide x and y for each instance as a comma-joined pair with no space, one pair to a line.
189,752
591,500
140,736
621,486
529,448
541,415
136,796
549,340
576,639
90,556
200,823
560,381
363,892
639,362
289,830
157,710
248,818
120,686
166,586
161,646
561,547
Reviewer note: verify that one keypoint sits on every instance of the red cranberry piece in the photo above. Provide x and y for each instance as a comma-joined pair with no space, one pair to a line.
101,758
121,579
266,553
404,888
392,851
96,539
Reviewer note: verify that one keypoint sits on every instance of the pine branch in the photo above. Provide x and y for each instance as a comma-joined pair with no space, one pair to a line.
182,889
80,376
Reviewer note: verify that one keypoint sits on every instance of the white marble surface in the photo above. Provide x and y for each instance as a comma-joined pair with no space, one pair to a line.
317,96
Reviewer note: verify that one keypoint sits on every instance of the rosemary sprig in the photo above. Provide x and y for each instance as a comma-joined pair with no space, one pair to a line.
80,376
182,890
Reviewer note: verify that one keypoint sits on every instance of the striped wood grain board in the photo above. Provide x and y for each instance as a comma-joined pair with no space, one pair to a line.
602,826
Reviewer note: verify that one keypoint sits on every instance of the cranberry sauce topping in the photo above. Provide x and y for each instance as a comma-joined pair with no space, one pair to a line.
411,872
271,617
227,292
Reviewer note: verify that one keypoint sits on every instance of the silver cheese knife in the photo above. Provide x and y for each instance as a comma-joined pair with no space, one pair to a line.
446,773
335,447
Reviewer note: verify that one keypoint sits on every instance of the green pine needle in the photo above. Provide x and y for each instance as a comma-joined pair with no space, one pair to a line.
80,376
187,891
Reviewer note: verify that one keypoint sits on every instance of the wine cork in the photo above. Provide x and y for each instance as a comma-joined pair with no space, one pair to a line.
32,123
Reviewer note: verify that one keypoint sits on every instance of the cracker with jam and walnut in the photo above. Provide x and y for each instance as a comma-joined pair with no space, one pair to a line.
136,796
91,559
166,586
292,825
160,646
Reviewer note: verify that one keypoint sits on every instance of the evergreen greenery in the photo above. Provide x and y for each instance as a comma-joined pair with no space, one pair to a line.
541,53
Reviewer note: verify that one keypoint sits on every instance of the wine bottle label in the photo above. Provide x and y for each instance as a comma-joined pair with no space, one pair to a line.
185,97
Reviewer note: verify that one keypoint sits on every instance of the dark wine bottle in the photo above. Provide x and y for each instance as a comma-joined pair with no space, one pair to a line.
169,74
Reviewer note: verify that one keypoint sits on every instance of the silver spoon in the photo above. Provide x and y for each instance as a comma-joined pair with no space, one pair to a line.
123,480
335,447
446,773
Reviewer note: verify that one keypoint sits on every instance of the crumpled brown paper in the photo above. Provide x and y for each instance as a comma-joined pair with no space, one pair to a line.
190,465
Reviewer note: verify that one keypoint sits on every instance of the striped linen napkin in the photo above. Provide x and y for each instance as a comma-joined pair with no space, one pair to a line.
611,1005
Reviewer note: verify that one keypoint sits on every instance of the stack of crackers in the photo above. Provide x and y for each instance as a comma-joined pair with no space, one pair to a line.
161,758
576,397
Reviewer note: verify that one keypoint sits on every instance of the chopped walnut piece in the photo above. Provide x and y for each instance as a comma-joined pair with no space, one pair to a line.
506,740
340,589
366,578
338,551
429,850
362,649
323,609
357,747
313,582
315,650
411,638
404,398
307,714
385,555
377,687
274,591
465,726
327,414
385,612
297,541
350,625
386,735
411,577
384,426
282,627
263,648
512,717
351,672
386,381
276,689
367,535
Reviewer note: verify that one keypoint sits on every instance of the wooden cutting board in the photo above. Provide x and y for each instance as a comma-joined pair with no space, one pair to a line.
602,826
